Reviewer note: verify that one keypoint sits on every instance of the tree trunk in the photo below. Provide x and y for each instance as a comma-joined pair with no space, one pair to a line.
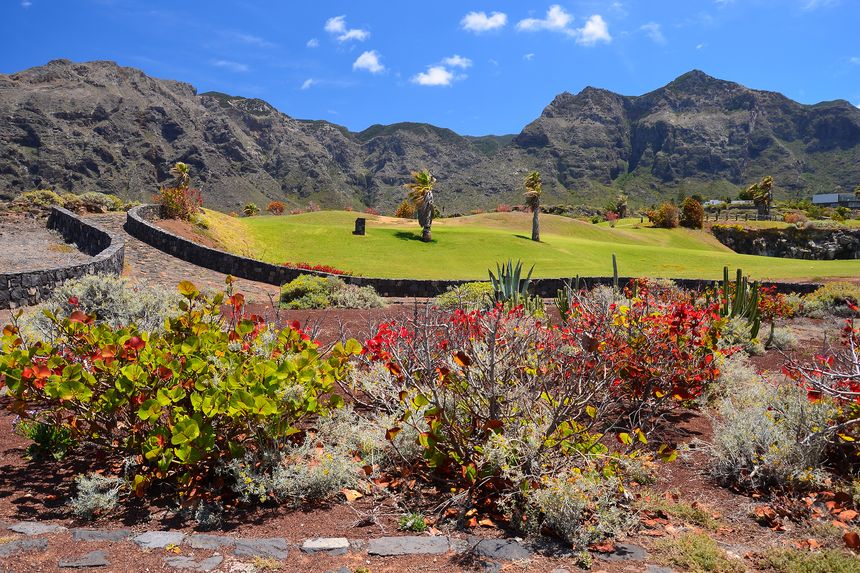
425,235
536,225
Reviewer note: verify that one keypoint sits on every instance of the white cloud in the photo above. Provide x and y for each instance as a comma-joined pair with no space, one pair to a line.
595,30
313,43
854,61
434,76
230,65
815,4
456,61
723,3
480,22
26,3
858,105
653,30
369,61
529,57
249,39
309,83
700,46
556,19
336,26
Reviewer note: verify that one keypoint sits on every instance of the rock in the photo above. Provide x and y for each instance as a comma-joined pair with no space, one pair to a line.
343,569
22,546
276,547
658,569
91,559
490,567
35,528
100,535
502,549
560,570
185,562
214,542
159,539
77,115
408,545
625,552
330,545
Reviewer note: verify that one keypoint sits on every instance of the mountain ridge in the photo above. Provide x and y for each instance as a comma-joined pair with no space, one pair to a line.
101,126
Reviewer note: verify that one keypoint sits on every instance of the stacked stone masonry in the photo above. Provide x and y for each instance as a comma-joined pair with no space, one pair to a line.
30,287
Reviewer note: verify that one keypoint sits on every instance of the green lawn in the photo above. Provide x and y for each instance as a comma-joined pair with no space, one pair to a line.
465,247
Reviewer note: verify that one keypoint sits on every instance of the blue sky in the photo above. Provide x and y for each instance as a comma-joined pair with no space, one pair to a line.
476,67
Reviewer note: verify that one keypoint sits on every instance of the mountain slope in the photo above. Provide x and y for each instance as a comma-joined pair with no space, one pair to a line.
99,126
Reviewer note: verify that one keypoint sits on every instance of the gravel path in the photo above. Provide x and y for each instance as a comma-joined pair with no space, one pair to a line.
150,266
27,245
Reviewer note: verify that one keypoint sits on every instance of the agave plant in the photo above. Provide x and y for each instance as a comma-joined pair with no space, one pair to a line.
421,196
509,286
532,198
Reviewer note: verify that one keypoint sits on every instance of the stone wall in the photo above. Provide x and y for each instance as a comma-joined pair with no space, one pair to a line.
139,224
32,286
812,243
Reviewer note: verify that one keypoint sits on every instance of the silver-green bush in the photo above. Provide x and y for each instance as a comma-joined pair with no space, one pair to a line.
467,297
311,291
112,300
96,495
767,434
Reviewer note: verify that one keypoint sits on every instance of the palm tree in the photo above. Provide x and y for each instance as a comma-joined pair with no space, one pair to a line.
421,196
762,195
181,174
621,205
532,196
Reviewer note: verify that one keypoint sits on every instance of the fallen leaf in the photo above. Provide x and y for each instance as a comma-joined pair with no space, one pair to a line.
839,524
487,522
851,539
847,515
604,547
351,494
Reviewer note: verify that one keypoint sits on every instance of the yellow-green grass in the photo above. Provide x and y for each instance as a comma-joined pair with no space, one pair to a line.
465,247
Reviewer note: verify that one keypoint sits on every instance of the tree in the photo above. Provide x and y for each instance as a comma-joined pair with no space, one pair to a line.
692,214
761,194
857,191
276,208
532,197
181,175
421,197
250,209
621,205
405,210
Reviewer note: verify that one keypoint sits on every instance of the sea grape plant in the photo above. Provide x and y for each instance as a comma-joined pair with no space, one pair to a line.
179,403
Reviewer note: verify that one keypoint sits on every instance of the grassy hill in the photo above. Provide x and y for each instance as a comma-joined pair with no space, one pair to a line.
466,247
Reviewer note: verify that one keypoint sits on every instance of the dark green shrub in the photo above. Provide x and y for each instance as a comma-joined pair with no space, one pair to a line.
692,214
49,440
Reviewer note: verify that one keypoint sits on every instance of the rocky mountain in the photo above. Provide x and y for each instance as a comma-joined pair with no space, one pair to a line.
99,126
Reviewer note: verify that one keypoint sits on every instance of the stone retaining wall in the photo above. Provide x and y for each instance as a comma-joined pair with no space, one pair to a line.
811,243
32,286
139,225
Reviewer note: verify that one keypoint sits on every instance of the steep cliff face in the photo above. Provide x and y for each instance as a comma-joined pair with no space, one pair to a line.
697,127
99,126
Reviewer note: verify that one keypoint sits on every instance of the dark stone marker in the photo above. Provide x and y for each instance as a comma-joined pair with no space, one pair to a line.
360,223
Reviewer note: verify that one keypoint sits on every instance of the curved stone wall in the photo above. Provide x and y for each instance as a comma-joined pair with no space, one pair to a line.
32,286
138,224
812,243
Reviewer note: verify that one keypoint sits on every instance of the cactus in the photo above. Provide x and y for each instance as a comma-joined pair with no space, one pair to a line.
614,274
744,304
564,297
